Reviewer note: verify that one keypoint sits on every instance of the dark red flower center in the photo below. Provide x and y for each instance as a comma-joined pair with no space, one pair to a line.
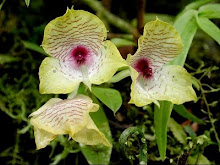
80,54
143,68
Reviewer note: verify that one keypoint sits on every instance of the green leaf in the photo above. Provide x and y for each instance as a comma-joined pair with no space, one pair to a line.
98,154
34,47
177,131
210,11
195,83
8,59
186,26
198,159
110,97
27,2
190,131
120,42
195,5
161,118
1,5
209,27
181,110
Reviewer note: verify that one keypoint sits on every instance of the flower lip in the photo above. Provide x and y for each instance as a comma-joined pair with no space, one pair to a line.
143,68
79,55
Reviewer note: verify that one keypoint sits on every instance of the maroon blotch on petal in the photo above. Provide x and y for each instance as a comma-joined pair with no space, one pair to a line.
142,66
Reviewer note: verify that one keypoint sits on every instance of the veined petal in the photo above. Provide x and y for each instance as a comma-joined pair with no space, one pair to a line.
57,77
90,135
172,83
74,28
105,64
61,117
159,44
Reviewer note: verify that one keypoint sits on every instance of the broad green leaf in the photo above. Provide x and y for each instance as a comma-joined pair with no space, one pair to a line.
198,159
120,42
98,154
209,27
181,110
177,131
110,97
210,11
186,26
27,2
34,47
161,118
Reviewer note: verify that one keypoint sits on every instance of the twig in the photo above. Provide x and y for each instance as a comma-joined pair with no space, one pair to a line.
141,12
111,18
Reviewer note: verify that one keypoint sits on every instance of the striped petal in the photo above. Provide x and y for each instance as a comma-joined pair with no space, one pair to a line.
105,64
75,28
59,116
159,45
76,41
58,77
172,83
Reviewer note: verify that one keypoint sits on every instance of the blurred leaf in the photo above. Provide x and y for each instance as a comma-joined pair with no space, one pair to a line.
161,117
34,47
120,42
201,159
181,110
177,131
2,4
195,83
98,154
189,130
186,26
27,2
152,16
195,5
110,97
209,27
8,59
210,11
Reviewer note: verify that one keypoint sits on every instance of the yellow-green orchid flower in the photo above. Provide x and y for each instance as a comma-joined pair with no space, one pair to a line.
79,53
70,116
152,80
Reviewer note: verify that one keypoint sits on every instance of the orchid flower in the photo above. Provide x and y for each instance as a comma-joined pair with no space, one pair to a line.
79,53
70,116
152,79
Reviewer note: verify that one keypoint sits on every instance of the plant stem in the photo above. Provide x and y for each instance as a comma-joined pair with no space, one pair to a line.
211,120
111,18
2,4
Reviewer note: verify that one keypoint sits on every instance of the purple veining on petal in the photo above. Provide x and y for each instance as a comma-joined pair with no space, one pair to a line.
142,66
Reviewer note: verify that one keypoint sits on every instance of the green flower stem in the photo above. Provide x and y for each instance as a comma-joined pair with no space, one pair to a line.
141,139
211,121
119,76
111,18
